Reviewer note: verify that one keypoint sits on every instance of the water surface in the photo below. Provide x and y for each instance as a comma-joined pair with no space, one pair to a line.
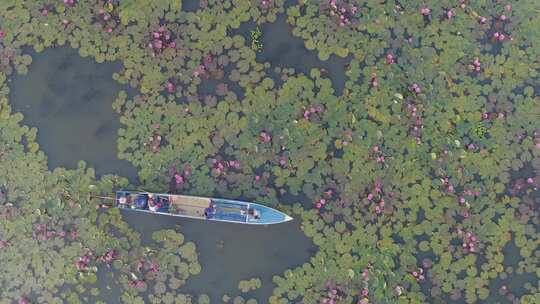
229,252
69,100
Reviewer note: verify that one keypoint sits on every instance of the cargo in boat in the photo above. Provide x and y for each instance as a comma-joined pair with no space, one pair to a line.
204,208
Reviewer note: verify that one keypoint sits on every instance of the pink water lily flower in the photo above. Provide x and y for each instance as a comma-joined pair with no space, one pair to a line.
73,234
415,88
264,137
178,179
110,255
390,58
154,266
425,11
170,87
70,2
22,301
235,164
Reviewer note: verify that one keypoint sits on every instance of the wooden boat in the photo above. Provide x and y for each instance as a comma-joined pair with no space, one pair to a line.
211,209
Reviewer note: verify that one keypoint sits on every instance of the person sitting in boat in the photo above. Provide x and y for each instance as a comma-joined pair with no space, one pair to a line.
255,213
152,205
122,201
210,211
141,201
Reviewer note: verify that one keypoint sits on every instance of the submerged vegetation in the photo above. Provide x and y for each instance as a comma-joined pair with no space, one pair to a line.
413,183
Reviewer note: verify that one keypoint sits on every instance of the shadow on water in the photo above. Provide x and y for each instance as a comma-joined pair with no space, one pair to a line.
69,100
229,253
282,49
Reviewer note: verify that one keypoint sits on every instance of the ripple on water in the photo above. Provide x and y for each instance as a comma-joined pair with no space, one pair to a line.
68,98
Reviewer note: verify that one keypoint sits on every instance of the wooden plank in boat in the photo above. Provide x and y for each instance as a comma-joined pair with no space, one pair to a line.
190,205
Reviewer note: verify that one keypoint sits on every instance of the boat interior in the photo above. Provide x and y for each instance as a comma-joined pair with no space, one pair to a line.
191,206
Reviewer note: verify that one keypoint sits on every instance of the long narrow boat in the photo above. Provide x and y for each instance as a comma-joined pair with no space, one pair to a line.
211,209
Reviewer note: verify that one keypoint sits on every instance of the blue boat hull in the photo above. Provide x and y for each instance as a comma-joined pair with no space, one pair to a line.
210,209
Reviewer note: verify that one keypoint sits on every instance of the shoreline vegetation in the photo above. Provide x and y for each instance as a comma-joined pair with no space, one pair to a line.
418,184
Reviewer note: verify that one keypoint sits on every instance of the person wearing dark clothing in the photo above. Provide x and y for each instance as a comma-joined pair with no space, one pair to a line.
209,212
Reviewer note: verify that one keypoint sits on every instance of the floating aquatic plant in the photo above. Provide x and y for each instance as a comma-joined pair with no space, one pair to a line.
256,39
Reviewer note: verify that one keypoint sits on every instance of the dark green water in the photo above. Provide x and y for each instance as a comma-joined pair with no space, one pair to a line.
68,99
